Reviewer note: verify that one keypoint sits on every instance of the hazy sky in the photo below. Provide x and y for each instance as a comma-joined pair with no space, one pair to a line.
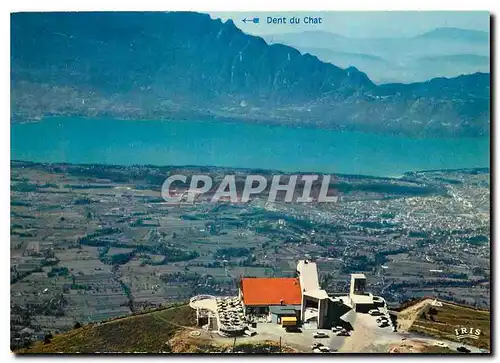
364,24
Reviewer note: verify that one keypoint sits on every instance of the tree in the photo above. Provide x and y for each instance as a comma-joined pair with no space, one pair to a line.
47,339
433,311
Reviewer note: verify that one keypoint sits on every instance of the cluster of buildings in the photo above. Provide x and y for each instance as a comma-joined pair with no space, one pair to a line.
300,300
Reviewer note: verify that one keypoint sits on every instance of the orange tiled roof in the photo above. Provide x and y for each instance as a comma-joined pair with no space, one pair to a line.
270,291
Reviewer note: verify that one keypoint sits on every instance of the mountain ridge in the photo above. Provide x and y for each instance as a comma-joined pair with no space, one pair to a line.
439,31
398,59
454,33
185,64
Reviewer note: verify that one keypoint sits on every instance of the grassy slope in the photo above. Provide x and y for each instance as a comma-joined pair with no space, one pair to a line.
141,333
160,331
438,350
451,316
151,332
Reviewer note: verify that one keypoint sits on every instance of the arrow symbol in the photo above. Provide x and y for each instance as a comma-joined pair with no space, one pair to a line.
254,20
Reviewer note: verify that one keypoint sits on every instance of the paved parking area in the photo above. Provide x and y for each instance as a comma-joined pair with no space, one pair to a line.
367,337
366,331
301,341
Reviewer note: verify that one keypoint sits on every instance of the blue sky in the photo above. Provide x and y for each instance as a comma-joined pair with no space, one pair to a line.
365,24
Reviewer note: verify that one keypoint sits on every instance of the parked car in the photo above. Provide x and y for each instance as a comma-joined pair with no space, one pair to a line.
336,328
320,334
463,350
441,344
383,324
324,349
381,319
316,345
375,312
343,332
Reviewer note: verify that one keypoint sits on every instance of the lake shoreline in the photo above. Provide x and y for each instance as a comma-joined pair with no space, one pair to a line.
233,145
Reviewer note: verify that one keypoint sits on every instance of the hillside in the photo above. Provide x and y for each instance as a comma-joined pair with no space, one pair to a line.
149,332
161,331
440,321
172,330
187,65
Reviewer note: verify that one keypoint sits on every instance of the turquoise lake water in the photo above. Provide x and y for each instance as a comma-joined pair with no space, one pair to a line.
243,145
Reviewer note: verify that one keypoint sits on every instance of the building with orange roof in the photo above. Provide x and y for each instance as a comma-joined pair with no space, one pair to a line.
291,302
258,294
259,291
300,297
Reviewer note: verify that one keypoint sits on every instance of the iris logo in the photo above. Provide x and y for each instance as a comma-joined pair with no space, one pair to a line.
464,332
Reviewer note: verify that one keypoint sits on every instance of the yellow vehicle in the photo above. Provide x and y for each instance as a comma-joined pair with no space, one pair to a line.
289,323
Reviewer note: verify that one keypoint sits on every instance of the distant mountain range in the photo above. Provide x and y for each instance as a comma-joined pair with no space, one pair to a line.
453,52
461,35
186,65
